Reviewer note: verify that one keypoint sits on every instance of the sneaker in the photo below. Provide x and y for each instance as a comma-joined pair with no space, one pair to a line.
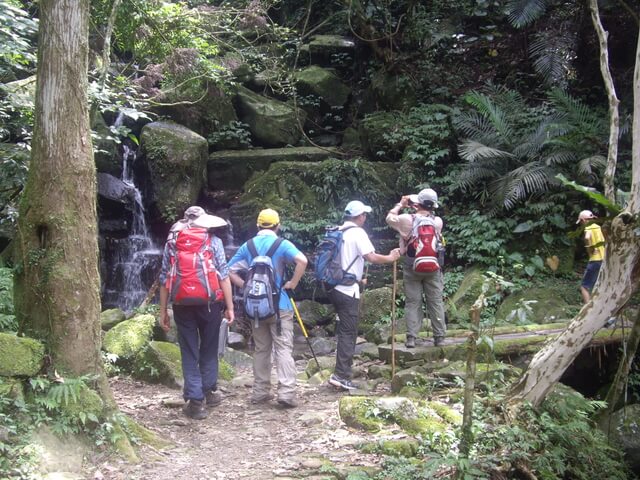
288,402
194,409
438,341
342,383
213,398
256,399
411,342
609,323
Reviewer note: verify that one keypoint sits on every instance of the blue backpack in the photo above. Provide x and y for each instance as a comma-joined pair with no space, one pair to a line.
261,294
328,263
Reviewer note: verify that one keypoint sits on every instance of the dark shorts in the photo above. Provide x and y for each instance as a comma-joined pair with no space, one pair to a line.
591,275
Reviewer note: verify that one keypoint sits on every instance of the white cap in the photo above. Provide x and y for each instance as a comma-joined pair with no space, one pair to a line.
585,215
355,208
428,195
209,221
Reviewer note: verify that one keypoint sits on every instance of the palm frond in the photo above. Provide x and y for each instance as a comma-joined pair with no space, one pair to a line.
524,12
559,157
473,175
472,151
475,125
588,167
576,114
519,184
552,52
496,116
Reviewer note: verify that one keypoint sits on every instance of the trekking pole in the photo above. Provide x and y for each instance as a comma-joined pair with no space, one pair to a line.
393,320
304,332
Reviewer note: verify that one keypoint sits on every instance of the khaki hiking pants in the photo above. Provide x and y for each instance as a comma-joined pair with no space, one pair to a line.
431,285
268,342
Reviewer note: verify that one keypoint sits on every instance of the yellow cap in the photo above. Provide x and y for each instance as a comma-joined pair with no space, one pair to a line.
268,218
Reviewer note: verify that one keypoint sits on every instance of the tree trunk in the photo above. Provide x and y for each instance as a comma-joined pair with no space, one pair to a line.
57,286
618,280
466,441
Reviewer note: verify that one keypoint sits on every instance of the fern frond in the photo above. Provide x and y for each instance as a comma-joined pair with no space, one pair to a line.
524,12
552,53
476,126
576,114
519,184
473,151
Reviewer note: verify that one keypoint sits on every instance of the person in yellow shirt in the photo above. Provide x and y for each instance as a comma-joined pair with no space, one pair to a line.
594,242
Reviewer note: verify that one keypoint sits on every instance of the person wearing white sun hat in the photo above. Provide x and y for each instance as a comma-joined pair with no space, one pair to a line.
594,243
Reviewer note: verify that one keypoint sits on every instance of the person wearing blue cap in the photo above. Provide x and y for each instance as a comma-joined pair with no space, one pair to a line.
356,248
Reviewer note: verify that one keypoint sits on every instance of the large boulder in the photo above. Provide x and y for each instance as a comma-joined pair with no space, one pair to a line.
176,160
20,356
105,148
128,338
327,49
159,362
111,317
460,303
547,305
272,123
374,314
322,83
624,428
230,169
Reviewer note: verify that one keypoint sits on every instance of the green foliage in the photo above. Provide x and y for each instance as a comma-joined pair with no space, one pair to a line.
17,40
234,133
513,151
7,318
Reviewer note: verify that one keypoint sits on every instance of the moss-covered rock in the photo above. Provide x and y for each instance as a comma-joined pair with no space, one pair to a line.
110,318
159,362
404,447
128,338
379,371
375,312
324,49
11,388
86,403
549,305
176,160
624,430
20,356
326,363
272,123
315,80
460,303
315,313
105,148
231,169
356,412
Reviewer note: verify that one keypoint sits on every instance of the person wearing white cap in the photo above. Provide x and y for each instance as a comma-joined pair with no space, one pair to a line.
594,242
356,248
415,284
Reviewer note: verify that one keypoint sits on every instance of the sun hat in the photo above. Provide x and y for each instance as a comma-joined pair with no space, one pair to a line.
355,208
209,221
193,212
268,218
585,215
428,195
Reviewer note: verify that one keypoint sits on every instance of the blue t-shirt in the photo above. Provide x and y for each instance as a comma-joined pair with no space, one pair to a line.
285,254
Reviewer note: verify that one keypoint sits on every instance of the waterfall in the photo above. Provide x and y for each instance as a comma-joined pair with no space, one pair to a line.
132,262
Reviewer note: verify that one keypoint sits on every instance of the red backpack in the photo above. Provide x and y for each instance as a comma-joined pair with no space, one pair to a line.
425,243
193,279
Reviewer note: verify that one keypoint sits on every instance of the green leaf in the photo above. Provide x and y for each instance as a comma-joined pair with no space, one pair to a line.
548,238
523,227
595,196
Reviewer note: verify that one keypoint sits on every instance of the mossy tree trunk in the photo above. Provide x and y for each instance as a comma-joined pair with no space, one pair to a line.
618,280
57,286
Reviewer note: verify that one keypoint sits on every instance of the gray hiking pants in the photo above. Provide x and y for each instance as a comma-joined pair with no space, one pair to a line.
415,285
346,331
267,341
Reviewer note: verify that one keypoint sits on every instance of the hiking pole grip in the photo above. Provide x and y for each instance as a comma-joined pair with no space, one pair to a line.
304,331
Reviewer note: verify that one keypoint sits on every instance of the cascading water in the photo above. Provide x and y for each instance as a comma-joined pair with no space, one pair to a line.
132,262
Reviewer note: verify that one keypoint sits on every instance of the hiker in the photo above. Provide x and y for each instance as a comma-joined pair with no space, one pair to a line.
356,248
594,243
429,283
197,319
274,333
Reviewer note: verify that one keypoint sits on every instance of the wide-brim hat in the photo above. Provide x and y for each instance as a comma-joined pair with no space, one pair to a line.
209,221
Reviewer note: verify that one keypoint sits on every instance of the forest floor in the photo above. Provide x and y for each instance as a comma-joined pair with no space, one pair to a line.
237,440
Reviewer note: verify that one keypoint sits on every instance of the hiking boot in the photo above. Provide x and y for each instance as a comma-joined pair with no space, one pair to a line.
410,342
288,402
194,409
257,399
213,398
438,341
342,383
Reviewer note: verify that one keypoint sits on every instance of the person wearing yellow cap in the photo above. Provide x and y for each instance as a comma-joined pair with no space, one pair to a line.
275,333
594,242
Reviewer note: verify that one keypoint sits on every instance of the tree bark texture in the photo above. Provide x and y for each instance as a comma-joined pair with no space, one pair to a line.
618,279
57,287
466,442
614,116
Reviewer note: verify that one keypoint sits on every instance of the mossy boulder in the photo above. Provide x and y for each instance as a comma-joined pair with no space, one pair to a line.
20,356
326,363
106,149
318,81
128,338
460,303
315,313
374,315
548,306
159,362
292,188
272,123
325,49
403,447
111,317
231,169
176,160
11,388
356,412
371,135
389,91
86,403
624,429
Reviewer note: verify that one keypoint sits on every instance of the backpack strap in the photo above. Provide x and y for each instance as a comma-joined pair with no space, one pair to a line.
356,257
274,246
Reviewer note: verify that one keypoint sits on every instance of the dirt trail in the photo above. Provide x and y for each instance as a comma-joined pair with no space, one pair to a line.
237,440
